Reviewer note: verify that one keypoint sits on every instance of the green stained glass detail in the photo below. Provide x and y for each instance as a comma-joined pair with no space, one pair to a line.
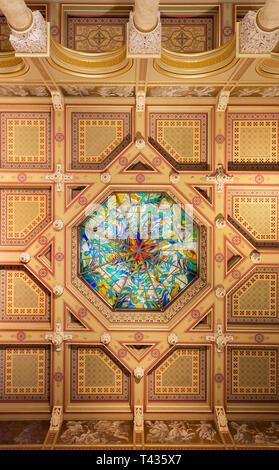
138,250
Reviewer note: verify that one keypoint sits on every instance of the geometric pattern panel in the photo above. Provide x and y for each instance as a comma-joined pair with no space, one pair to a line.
24,213
181,138
252,374
255,299
96,376
24,373
261,433
25,140
96,432
188,35
253,141
22,297
23,432
97,138
254,213
103,34
180,377
96,34
181,432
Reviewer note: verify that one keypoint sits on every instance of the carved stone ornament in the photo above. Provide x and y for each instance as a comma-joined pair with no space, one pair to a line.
221,419
174,177
144,44
58,337
138,418
220,339
140,143
58,290
223,100
59,178
220,222
253,39
220,178
172,339
105,338
57,100
255,257
58,225
33,39
105,177
220,292
140,101
138,372
56,418
24,257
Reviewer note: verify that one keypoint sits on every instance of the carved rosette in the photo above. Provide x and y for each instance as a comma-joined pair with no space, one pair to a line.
220,222
174,177
172,339
140,143
253,39
58,290
33,39
105,338
255,257
105,177
138,373
220,292
24,258
143,43
58,225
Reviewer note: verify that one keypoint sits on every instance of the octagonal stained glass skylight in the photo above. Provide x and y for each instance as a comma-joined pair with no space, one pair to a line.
138,250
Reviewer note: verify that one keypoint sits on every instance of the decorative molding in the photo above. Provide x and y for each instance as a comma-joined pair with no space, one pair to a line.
58,337
219,178
143,44
105,338
59,178
220,339
34,41
223,99
58,225
138,372
138,418
172,339
254,40
56,418
221,419
24,257
57,100
140,101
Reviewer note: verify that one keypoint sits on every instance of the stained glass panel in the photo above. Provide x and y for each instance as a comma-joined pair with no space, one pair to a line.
139,250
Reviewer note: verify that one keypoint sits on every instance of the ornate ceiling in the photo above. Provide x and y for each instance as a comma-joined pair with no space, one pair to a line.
202,372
